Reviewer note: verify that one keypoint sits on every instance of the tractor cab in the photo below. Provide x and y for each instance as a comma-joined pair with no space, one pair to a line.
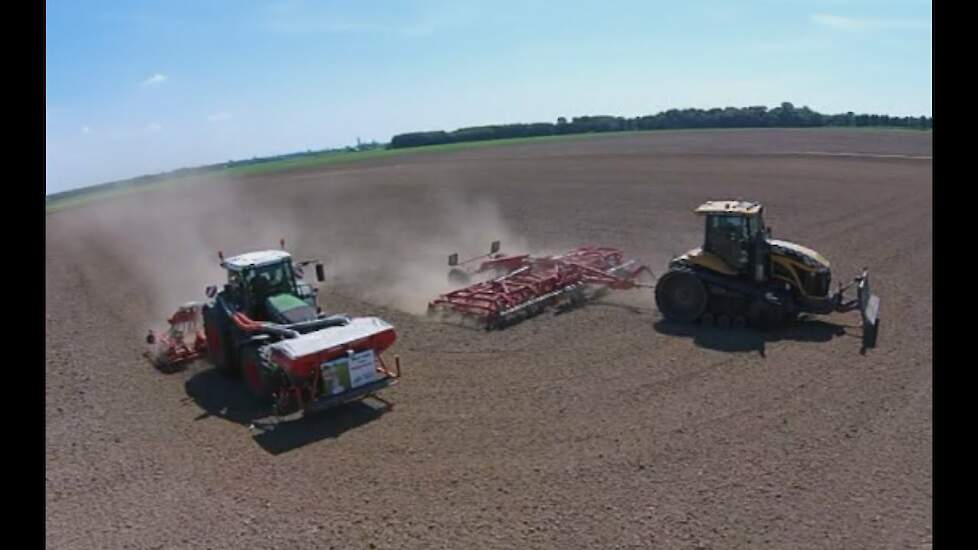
736,236
264,286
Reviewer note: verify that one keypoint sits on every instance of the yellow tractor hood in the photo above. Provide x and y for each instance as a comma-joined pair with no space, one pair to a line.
791,249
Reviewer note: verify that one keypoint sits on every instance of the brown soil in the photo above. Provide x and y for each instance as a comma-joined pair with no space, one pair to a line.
603,427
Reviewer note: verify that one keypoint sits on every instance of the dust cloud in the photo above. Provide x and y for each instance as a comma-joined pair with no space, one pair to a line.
163,245
405,263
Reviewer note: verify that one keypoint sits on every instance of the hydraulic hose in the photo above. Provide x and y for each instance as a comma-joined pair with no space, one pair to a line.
285,331
246,324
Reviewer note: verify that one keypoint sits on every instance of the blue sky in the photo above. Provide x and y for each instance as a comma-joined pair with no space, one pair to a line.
142,87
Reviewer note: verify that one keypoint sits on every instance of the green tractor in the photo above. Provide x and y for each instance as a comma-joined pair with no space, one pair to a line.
741,275
266,325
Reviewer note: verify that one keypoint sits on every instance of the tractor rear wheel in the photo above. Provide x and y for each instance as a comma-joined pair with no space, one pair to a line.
681,296
218,341
257,374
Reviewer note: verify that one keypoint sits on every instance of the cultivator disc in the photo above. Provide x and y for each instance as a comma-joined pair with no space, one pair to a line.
538,283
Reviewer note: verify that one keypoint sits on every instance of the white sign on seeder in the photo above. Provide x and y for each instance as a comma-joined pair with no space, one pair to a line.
362,369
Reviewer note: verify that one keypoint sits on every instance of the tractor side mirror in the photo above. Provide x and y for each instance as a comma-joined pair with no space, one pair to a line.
769,233
453,259
494,247
211,291
320,273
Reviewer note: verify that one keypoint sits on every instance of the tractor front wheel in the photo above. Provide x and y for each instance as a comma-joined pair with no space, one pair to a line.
681,296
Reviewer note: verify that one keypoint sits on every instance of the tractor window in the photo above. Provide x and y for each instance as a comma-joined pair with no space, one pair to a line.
755,227
726,236
728,227
234,279
271,279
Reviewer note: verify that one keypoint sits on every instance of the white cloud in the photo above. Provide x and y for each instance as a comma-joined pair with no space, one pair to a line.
86,130
218,117
155,80
852,24
153,127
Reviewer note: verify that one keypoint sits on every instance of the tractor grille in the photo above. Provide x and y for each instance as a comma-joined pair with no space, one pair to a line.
817,283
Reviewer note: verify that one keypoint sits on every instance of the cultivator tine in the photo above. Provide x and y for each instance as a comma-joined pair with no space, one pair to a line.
538,283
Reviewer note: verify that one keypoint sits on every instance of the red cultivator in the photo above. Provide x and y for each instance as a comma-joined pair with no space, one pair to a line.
172,349
529,285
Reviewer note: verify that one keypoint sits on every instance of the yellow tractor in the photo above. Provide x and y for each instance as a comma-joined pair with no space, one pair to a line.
742,275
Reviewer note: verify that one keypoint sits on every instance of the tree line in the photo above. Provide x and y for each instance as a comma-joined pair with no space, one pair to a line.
784,116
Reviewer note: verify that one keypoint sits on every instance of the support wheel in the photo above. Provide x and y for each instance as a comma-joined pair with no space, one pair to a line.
723,321
707,319
739,322
681,296
766,316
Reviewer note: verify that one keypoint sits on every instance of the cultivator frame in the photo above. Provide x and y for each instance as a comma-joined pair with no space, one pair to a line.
534,283
171,350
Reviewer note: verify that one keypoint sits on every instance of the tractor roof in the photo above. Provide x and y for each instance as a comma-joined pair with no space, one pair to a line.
255,259
748,208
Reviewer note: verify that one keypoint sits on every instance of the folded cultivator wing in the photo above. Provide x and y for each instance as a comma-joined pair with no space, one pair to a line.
183,342
531,284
